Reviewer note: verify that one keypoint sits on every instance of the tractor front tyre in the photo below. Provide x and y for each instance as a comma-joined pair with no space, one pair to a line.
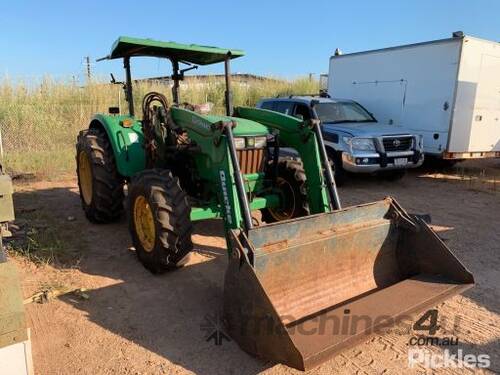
159,220
291,185
101,187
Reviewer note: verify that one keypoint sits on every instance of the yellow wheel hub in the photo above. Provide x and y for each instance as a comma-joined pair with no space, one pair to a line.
285,212
144,223
85,177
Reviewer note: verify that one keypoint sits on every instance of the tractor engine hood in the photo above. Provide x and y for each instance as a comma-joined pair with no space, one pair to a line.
244,127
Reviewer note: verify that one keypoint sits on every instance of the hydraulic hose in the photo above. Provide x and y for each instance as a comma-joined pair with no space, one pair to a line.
148,112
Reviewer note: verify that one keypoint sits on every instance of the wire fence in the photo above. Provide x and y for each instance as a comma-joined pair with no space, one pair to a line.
39,123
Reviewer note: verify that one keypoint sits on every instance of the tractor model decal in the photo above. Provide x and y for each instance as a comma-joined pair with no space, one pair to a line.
200,122
225,197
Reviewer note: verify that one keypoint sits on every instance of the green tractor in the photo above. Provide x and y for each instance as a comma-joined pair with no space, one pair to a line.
176,164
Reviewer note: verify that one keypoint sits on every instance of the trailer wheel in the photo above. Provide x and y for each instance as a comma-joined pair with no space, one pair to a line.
159,220
291,183
444,164
100,185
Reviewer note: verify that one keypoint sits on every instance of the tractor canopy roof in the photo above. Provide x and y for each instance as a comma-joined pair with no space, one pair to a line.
190,53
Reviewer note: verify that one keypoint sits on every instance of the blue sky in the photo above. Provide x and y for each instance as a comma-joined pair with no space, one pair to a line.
281,38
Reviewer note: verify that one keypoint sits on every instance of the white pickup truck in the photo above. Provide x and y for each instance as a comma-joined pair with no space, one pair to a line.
354,140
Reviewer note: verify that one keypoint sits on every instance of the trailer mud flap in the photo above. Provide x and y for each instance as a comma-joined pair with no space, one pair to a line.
299,291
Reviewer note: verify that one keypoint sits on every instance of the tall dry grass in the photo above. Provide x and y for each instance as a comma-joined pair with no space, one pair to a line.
39,122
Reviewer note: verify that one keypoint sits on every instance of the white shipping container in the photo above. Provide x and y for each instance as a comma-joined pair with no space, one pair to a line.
447,90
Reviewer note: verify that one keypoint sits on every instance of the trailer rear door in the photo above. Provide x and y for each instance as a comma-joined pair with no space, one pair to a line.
476,121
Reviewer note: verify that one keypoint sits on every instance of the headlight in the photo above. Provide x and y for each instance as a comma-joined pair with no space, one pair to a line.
250,142
239,143
260,142
362,144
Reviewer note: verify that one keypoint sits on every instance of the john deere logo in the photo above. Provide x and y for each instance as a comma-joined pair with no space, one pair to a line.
396,142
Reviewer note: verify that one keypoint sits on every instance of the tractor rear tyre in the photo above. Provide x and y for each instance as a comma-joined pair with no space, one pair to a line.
101,187
159,220
291,184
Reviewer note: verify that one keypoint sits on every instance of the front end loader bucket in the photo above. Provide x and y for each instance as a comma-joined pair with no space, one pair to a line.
299,291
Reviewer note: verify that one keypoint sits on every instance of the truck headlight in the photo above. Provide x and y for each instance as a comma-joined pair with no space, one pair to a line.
347,140
239,143
362,144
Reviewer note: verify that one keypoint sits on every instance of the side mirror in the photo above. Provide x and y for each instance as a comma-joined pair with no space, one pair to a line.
115,82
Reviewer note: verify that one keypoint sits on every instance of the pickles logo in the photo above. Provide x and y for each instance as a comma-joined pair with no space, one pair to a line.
225,196
447,358
420,353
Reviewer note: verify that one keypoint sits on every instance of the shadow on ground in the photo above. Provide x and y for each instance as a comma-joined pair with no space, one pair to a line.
165,314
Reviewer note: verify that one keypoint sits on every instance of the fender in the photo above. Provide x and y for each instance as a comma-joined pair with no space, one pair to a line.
126,142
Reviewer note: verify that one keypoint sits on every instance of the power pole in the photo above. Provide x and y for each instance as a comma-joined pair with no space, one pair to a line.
89,72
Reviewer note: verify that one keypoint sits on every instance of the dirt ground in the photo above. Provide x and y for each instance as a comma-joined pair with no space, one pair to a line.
135,323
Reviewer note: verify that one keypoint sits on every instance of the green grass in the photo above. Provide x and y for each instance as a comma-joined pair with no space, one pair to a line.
39,123
44,164
39,235
39,241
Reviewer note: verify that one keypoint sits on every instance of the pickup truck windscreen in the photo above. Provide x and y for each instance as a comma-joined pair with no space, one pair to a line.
342,112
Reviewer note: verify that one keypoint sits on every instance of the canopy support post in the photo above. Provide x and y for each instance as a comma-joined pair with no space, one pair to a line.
176,77
128,85
228,93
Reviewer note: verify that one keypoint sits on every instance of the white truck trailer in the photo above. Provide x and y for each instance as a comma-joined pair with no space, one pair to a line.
446,90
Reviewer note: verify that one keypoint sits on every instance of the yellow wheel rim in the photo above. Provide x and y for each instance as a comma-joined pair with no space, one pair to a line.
144,223
85,177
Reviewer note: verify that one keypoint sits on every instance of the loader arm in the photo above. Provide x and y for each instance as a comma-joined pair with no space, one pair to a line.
219,165
300,136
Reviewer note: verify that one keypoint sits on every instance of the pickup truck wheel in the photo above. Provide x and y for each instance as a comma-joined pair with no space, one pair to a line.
339,173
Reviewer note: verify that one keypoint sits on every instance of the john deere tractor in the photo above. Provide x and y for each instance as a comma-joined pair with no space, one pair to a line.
175,164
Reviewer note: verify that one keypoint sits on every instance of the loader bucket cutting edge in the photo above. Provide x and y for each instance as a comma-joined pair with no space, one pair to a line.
300,291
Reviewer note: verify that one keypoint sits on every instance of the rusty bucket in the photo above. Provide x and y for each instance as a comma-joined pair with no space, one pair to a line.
300,291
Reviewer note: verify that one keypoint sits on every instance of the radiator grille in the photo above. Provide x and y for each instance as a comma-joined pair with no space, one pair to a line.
251,160
397,143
